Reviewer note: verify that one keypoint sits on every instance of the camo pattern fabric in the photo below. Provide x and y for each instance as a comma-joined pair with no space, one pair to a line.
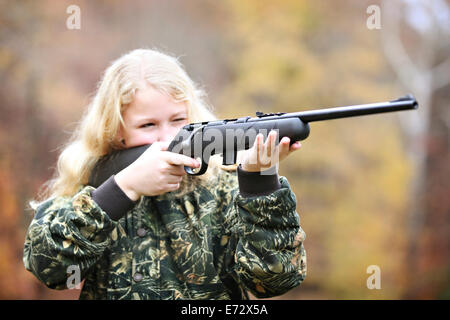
211,243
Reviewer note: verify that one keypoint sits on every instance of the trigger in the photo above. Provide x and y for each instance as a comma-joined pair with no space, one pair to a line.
197,171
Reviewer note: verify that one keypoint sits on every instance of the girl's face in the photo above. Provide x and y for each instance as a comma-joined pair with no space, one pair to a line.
152,116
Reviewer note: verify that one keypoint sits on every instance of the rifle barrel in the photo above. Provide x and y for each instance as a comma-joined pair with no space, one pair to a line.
407,102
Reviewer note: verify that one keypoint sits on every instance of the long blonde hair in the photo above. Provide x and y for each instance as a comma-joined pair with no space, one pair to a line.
97,132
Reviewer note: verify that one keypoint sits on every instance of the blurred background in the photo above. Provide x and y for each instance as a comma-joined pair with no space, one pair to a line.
371,191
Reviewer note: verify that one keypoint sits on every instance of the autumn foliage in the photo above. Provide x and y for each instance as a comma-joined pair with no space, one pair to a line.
352,177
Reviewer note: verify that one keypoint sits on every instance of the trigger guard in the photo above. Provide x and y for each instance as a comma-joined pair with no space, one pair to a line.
191,171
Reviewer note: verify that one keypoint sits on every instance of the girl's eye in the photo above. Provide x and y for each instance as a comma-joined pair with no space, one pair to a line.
147,125
180,119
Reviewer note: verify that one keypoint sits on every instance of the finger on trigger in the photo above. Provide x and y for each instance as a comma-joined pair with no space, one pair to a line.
182,160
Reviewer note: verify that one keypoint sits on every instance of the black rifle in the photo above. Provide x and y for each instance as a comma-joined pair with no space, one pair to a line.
227,137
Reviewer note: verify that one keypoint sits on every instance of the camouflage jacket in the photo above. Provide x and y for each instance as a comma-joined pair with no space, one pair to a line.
212,243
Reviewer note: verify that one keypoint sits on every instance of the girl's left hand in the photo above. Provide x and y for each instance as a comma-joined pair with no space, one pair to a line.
263,156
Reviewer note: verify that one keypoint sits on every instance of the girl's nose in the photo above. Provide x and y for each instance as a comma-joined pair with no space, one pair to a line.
166,133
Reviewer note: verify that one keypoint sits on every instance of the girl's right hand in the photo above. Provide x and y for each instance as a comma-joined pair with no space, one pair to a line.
155,172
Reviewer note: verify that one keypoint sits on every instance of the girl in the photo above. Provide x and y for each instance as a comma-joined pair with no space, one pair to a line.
151,231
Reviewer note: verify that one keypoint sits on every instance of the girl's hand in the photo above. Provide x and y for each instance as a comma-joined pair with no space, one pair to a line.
263,156
155,172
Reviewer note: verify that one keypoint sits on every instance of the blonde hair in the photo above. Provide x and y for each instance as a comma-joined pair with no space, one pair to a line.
97,132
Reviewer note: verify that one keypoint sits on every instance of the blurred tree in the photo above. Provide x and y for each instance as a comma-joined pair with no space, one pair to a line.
417,43
352,176
20,128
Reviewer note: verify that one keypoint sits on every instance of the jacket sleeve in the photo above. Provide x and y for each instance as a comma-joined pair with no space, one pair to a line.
66,234
266,241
